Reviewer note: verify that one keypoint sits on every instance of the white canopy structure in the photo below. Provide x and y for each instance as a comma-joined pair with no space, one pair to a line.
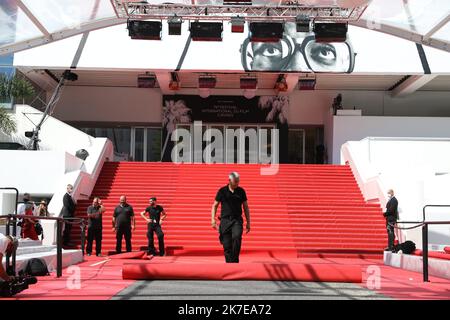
26,24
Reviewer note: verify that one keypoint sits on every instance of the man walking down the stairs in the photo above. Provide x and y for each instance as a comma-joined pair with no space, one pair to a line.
123,222
391,216
156,215
232,199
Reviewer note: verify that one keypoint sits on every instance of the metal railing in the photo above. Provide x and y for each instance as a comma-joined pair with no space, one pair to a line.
425,224
11,220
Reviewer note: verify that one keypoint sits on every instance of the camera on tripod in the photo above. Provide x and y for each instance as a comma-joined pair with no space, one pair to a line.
16,285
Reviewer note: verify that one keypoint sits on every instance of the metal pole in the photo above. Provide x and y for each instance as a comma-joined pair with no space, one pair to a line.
7,231
83,236
425,252
59,248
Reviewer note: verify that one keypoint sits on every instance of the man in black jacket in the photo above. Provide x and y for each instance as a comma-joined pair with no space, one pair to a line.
68,211
391,216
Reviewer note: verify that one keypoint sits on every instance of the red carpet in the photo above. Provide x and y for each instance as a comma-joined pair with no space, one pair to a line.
101,278
243,271
312,210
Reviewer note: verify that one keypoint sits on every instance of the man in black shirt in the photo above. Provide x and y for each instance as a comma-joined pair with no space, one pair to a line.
156,216
232,199
95,226
391,216
123,222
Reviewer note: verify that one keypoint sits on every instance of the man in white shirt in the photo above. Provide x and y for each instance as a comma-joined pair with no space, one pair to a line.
8,245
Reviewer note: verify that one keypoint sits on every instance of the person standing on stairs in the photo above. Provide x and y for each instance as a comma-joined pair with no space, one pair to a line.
232,199
68,212
391,216
156,216
123,223
95,226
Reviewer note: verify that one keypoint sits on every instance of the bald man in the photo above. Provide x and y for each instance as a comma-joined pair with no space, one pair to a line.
232,199
123,222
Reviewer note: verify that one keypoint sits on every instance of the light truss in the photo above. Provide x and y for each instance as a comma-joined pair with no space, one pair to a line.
143,10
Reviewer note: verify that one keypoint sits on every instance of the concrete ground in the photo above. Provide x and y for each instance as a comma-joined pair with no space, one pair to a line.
242,290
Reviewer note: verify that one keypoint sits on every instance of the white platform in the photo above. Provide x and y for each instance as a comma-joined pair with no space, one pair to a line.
349,112
29,249
436,267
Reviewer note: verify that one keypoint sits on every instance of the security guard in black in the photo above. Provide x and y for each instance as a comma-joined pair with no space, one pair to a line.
232,198
155,214
123,223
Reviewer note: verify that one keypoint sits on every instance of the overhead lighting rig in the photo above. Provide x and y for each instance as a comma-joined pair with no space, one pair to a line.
225,12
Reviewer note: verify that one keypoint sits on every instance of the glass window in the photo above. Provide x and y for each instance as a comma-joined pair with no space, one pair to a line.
153,144
139,144
120,138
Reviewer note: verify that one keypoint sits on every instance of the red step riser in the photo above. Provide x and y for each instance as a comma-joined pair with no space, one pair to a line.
310,207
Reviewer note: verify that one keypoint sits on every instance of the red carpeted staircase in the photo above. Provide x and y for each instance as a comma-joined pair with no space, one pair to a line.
308,209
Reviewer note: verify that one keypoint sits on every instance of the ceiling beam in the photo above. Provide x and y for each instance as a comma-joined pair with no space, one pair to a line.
412,84
438,26
33,19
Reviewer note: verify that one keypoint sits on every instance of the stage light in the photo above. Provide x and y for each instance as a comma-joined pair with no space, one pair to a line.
266,31
174,24
237,24
207,82
206,31
70,76
146,81
281,84
144,30
248,83
330,32
303,23
307,82
174,83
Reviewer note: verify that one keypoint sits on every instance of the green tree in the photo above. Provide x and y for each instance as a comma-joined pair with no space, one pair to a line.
18,88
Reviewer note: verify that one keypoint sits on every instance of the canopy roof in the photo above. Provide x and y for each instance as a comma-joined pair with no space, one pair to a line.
28,23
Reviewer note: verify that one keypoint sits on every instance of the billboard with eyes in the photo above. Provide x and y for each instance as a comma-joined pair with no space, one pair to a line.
364,51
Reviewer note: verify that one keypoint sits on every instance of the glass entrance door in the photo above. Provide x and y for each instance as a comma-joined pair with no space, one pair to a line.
296,148
145,144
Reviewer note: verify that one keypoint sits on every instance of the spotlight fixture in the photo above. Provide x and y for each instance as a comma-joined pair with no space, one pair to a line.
303,23
248,83
206,31
330,32
307,82
146,80
174,83
237,24
207,82
266,31
281,84
70,76
174,24
144,30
